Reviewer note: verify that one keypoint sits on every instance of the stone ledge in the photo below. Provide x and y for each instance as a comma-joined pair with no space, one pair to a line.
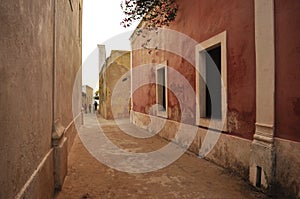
60,163
57,132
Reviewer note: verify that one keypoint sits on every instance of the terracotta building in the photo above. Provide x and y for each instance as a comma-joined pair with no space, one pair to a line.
231,70
40,54
114,82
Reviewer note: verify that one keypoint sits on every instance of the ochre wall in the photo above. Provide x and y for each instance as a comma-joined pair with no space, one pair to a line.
201,20
287,49
67,58
115,69
26,49
26,90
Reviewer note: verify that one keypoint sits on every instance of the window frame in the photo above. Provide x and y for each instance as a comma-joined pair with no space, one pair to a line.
159,67
200,55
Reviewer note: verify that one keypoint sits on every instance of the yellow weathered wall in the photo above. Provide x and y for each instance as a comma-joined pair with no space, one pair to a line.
117,65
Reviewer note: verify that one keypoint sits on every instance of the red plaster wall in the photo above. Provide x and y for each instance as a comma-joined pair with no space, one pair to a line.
201,20
143,97
287,49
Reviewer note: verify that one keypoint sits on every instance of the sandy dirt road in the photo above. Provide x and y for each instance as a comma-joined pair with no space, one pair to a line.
187,177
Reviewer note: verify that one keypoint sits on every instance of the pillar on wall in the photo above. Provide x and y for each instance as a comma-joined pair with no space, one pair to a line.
262,157
59,143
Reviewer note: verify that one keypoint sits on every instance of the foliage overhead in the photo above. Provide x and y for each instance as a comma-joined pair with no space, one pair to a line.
96,97
156,13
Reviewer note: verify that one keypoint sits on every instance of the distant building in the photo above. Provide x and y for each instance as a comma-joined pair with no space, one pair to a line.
102,55
115,71
87,96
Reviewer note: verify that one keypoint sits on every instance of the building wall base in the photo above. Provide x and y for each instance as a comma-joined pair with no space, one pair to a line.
224,153
287,173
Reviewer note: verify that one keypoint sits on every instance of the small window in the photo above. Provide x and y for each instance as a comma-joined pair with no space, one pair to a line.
161,90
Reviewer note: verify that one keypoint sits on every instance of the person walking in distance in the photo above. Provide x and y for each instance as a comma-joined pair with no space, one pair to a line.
85,108
90,108
95,106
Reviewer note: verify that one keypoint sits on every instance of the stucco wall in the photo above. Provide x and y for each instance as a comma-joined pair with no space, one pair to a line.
67,58
287,172
144,97
26,91
287,97
201,20
287,103
116,70
26,46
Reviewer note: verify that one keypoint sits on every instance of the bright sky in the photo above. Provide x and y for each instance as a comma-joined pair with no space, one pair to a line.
101,25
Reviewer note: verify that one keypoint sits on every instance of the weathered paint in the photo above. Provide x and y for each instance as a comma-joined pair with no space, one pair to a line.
116,69
287,49
287,98
27,49
287,173
224,153
200,20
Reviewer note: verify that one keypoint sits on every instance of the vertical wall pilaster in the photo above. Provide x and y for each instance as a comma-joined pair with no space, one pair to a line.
262,152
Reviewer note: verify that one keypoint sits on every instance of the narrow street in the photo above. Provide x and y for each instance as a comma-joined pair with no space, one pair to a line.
211,89
188,177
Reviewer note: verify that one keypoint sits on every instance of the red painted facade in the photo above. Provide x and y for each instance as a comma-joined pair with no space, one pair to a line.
287,49
201,20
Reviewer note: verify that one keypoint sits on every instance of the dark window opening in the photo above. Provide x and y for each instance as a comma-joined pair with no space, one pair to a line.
213,82
161,89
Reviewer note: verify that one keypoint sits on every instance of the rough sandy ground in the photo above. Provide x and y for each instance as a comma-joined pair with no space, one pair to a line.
188,177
